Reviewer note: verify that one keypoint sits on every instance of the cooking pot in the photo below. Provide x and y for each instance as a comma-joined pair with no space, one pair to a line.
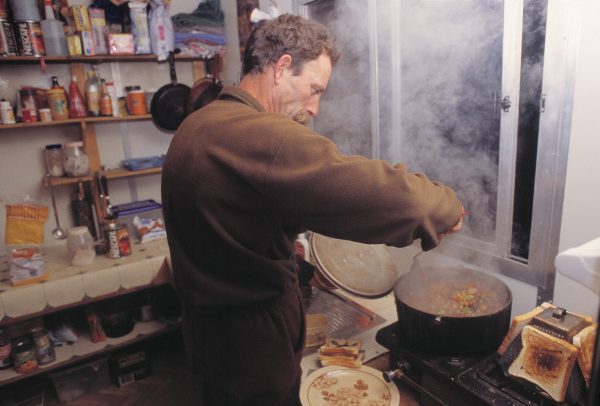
207,89
449,310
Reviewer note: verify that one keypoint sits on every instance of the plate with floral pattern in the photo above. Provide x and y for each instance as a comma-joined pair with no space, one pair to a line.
340,386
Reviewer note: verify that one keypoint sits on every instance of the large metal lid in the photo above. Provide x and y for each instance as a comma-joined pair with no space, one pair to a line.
365,270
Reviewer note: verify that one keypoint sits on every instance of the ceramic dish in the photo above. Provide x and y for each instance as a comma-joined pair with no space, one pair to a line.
336,385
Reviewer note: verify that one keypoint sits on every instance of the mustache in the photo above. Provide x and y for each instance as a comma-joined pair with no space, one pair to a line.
303,117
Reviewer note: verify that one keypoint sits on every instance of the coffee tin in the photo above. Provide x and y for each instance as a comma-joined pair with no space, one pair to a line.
111,239
8,43
124,242
29,38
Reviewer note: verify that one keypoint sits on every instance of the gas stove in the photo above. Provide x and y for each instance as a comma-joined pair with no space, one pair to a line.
459,381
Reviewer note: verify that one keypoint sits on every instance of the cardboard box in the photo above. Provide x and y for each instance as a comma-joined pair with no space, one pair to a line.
128,367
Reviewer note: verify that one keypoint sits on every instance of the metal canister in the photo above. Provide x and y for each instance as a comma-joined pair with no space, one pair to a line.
5,350
111,239
123,238
29,38
8,43
44,350
24,356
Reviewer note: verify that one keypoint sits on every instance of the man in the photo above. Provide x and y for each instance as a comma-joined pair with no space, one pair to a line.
243,176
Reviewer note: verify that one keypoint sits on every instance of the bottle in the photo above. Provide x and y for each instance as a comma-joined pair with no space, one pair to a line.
57,98
105,100
53,32
77,107
92,92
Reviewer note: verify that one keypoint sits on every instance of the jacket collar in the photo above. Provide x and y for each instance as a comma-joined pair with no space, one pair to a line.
235,93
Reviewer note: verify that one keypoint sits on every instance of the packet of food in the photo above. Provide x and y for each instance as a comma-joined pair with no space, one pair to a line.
139,23
25,224
26,265
149,229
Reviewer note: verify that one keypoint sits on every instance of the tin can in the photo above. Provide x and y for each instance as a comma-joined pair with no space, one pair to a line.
24,355
112,240
44,350
8,43
7,114
123,238
29,38
5,350
57,99
3,9
45,115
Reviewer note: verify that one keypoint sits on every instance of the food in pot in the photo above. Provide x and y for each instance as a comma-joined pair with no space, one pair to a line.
456,299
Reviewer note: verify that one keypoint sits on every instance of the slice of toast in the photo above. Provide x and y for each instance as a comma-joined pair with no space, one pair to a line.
585,341
343,360
517,324
545,361
340,346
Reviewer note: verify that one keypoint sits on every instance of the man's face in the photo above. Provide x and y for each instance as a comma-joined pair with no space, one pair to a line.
298,96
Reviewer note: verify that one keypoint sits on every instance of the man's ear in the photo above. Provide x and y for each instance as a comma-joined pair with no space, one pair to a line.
283,63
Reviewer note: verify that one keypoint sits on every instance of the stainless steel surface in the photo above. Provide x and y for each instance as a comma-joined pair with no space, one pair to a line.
58,233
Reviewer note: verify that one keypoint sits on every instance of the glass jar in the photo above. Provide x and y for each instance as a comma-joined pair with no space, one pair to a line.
44,349
75,160
80,246
53,155
136,100
5,350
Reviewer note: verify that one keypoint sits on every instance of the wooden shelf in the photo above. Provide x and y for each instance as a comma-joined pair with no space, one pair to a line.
80,121
85,348
92,59
110,174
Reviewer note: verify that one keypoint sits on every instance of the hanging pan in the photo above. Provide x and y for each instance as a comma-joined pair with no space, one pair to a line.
207,89
168,105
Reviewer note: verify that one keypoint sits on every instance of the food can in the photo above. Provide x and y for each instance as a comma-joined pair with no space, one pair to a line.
5,350
29,38
57,99
136,100
3,9
112,240
24,355
45,115
7,115
8,43
43,347
123,238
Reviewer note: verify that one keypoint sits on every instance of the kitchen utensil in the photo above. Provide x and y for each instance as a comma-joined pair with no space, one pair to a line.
104,182
168,105
368,270
207,89
58,233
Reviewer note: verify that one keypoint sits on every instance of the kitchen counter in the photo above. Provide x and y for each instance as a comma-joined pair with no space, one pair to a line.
376,356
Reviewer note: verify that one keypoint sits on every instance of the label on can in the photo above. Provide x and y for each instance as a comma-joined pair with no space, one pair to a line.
8,43
29,38
124,242
112,241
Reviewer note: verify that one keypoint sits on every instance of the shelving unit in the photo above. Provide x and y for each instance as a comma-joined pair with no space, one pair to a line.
85,348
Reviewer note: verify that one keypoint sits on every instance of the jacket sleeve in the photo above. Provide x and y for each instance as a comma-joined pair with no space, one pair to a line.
356,198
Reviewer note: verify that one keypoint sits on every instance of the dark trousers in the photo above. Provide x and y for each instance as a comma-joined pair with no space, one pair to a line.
248,356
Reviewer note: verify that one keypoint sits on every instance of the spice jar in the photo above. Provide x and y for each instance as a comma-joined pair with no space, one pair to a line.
5,349
44,349
24,355
136,100
80,246
75,160
53,154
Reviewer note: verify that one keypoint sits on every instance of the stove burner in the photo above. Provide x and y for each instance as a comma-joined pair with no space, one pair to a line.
460,381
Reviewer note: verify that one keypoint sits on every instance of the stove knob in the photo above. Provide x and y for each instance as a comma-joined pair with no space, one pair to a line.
389,376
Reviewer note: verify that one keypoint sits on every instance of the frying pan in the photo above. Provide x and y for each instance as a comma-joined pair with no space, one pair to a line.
168,103
207,89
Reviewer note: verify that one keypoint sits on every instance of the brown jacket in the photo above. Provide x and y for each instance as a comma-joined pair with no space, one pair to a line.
239,183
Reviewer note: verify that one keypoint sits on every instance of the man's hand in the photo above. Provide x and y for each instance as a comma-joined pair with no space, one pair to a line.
456,228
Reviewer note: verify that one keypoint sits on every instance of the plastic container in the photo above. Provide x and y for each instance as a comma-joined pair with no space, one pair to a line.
55,41
75,160
136,101
7,114
80,246
73,382
53,154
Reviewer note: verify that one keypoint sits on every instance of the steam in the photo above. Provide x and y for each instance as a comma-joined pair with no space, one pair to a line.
447,113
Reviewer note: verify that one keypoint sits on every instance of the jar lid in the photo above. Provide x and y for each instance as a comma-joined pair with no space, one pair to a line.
74,144
79,230
130,88
54,146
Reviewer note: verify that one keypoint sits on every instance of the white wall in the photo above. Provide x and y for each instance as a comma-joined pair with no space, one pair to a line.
581,209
